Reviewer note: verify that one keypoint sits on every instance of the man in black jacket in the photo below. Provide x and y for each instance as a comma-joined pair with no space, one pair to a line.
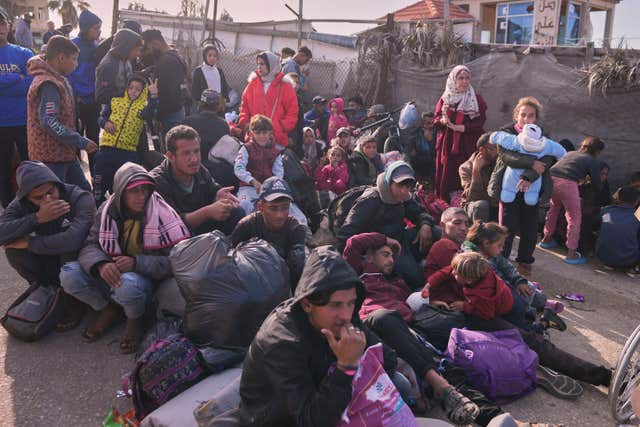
189,188
383,208
211,128
44,227
170,70
287,378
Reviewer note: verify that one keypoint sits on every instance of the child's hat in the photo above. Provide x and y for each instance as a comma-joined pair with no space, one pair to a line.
531,138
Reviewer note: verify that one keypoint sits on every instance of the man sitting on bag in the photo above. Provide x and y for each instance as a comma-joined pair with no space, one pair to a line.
189,188
45,226
300,365
125,255
273,223
211,128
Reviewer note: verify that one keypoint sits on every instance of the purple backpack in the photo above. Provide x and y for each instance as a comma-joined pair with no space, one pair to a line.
499,364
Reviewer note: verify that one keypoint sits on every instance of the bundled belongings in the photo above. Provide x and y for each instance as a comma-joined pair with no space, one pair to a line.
499,363
228,292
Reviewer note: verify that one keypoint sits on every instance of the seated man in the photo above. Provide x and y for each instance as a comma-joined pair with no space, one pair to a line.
300,365
125,255
618,244
475,175
454,223
273,223
44,227
211,128
189,188
383,208
387,314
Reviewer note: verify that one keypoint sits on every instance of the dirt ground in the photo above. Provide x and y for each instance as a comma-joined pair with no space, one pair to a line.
63,381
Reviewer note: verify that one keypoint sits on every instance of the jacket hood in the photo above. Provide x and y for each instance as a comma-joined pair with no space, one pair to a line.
145,89
86,20
37,65
132,25
383,182
31,174
325,270
123,176
124,42
339,102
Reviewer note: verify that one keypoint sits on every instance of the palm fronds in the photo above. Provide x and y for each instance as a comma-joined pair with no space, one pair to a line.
432,46
618,69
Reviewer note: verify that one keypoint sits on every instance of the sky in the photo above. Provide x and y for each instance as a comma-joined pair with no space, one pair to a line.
625,25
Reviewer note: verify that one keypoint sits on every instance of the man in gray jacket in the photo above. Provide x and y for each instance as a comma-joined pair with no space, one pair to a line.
125,255
45,226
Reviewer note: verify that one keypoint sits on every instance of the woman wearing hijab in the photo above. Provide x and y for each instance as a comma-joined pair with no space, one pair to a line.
271,94
208,75
459,118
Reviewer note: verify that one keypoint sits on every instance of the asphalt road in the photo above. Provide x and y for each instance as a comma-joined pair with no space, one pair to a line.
63,381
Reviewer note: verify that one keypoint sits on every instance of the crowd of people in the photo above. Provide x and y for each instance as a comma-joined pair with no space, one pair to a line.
427,217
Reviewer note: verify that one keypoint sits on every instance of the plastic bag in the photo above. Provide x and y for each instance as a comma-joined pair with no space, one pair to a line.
375,401
226,307
192,259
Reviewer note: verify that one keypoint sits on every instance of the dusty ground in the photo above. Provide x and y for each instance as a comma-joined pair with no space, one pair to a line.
63,381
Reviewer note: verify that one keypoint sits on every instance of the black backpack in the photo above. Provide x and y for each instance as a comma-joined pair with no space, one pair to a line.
302,185
35,313
341,206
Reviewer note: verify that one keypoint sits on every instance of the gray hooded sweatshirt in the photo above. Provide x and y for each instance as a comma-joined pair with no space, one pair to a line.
63,236
114,70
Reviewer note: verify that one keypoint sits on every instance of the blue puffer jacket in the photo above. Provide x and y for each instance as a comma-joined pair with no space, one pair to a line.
84,77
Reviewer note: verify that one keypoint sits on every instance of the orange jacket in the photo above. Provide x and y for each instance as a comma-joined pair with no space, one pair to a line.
285,114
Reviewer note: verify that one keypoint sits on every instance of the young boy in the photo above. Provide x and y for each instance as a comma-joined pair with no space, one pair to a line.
257,160
479,291
122,122
51,120
273,224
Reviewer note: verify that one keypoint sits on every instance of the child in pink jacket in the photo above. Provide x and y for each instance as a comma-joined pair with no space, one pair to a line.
334,176
337,119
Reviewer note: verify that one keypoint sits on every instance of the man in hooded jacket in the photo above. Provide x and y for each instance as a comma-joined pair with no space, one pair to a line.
286,379
45,225
114,71
83,78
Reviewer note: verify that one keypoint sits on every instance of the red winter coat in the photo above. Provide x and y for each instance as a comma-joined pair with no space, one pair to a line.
389,292
255,101
488,298
332,178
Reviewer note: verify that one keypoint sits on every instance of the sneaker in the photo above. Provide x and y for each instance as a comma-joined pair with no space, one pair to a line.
552,320
557,384
524,269
460,410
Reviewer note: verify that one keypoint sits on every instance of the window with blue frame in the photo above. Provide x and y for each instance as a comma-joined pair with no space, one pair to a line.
514,22
569,29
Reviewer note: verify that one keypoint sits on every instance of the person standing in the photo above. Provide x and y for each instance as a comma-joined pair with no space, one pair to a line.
170,70
83,79
14,85
293,64
51,119
460,116
24,37
208,75
51,31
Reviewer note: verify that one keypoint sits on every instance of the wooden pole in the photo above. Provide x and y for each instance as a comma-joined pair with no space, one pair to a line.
215,17
446,14
300,23
204,20
114,17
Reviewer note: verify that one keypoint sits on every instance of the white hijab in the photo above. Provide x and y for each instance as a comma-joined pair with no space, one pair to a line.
467,101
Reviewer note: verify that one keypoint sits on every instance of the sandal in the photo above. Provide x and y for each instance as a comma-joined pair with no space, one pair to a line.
460,410
557,384
132,336
104,320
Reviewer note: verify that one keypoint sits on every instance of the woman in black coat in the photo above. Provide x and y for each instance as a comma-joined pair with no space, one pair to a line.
208,75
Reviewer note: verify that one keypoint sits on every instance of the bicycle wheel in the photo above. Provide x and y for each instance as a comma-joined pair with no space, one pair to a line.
626,378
